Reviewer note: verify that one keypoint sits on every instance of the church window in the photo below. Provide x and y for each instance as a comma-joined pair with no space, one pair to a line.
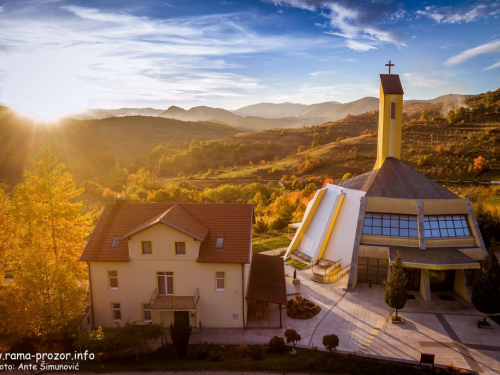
393,110
446,226
390,225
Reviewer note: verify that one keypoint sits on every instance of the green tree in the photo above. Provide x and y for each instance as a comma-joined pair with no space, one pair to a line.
395,289
331,342
486,287
50,235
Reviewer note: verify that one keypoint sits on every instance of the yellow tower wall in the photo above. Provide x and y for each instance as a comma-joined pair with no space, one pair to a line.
389,130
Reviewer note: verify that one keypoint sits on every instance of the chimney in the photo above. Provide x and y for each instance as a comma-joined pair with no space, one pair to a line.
120,199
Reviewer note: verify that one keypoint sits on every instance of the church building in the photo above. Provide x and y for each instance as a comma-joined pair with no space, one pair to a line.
356,227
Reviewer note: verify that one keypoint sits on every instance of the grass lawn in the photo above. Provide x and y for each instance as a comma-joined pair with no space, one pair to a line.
260,244
306,361
297,264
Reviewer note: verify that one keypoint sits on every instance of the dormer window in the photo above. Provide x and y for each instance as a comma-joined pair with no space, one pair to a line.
147,249
219,243
116,242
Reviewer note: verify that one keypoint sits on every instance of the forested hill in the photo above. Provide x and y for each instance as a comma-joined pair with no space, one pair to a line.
91,147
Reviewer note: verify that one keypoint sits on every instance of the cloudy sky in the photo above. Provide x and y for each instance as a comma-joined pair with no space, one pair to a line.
63,55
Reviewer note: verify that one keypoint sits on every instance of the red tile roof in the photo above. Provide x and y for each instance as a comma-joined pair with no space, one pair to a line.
177,218
391,84
231,221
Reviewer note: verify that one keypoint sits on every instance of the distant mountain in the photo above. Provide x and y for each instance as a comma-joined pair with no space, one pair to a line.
91,114
353,108
270,110
244,123
318,110
201,113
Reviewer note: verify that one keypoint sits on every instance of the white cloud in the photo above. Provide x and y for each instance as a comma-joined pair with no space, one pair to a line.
494,66
473,52
417,80
458,14
322,73
116,57
302,4
350,21
360,47
1,9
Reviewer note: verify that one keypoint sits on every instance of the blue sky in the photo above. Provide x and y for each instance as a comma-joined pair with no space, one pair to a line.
62,55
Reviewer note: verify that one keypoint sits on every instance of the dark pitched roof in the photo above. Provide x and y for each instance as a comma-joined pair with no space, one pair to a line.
391,84
437,257
231,221
395,179
267,279
177,218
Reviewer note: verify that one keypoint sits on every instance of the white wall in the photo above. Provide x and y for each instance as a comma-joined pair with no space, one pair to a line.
137,280
341,242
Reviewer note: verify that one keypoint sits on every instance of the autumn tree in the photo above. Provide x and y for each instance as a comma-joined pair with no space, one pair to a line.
395,289
50,234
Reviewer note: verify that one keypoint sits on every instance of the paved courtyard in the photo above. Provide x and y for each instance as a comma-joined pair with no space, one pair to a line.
361,320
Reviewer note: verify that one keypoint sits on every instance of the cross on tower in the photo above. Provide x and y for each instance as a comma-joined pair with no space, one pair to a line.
389,65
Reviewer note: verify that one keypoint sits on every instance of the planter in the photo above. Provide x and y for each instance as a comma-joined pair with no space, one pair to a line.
481,324
301,308
399,321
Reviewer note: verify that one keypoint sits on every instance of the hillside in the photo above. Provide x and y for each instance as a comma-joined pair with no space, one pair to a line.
91,147
94,114
318,110
354,108
271,110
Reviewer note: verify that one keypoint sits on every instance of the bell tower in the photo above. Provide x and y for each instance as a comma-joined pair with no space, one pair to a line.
390,119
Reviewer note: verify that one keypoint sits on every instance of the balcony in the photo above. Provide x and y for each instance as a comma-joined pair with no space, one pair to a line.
161,302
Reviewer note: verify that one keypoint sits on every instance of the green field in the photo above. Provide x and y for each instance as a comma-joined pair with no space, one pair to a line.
297,264
260,244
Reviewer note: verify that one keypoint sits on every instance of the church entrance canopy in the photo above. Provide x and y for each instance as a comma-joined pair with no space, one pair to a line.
434,258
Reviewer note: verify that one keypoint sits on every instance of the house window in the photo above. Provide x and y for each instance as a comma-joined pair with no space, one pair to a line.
220,281
117,312
113,279
147,315
180,248
446,226
147,249
393,110
116,242
219,243
390,225
165,283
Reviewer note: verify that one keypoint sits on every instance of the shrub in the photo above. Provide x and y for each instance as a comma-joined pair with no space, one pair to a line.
260,227
256,351
277,345
201,351
242,349
331,342
180,332
292,336
216,354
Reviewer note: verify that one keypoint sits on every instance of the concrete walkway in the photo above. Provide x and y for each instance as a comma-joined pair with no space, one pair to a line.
361,320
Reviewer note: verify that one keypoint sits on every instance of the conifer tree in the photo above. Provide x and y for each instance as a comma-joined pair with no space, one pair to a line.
486,287
395,289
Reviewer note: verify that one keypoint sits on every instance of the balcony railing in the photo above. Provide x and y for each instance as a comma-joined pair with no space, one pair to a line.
330,278
162,302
